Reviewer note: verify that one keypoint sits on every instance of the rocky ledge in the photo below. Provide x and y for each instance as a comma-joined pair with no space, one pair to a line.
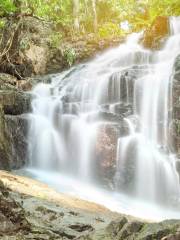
31,210
38,47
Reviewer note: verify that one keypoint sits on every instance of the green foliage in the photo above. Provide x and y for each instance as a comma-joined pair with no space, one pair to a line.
55,39
109,30
70,56
110,13
6,6
2,23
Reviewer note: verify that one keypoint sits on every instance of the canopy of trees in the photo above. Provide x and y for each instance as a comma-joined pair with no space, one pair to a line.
103,17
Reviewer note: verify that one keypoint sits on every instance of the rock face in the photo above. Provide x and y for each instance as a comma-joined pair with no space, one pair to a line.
29,50
16,128
4,146
14,104
175,111
156,34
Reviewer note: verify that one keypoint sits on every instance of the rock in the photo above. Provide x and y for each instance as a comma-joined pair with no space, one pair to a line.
129,229
175,236
157,33
4,144
157,230
48,220
103,116
115,226
17,133
34,52
105,152
25,216
13,125
174,126
12,216
29,51
177,64
7,82
15,102
13,141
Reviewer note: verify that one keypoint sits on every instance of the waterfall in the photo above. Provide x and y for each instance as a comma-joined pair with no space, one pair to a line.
106,122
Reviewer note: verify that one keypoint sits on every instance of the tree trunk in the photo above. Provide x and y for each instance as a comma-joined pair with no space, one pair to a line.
76,14
86,6
94,15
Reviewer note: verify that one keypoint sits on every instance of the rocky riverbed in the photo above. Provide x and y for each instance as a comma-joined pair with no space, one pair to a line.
32,210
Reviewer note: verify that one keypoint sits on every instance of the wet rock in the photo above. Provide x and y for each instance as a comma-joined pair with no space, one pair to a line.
13,141
174,125
106,151
121,86
7,82
12,216
17,134
157,230
103,116
15,102
81,227
27,217
115,226
177,65
121,109
13,125
130,229
4,144
175,236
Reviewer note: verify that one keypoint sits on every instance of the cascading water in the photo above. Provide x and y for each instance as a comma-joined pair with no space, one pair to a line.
106,123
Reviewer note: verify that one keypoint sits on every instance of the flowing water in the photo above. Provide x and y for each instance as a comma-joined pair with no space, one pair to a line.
100,129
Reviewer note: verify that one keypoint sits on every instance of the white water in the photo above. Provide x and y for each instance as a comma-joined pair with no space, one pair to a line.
125,88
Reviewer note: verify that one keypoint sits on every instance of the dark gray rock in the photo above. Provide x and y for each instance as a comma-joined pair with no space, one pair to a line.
4,144
15,102
104,116
174,126
13,124
16,128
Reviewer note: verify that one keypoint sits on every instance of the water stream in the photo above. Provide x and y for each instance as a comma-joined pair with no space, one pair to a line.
100,130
